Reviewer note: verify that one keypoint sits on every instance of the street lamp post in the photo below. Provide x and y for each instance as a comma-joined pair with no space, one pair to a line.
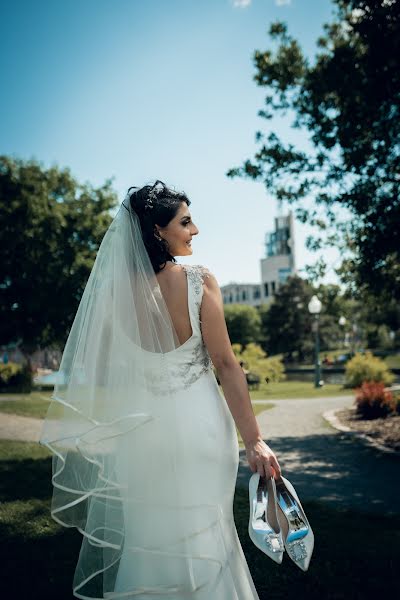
314,307
342,322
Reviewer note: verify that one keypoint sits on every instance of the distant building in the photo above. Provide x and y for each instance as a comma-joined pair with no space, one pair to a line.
279,261
242,293
276,266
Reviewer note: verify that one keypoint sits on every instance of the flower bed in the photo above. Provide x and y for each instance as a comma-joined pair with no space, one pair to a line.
385,430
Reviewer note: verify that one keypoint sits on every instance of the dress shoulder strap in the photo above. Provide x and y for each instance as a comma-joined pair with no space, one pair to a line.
195,277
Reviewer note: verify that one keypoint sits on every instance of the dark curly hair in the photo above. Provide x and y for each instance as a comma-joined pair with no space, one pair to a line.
156,204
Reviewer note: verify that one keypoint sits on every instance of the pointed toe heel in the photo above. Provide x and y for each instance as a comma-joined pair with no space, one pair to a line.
298,536
264,527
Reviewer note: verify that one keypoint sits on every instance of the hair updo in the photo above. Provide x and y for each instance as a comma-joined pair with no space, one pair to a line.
156,204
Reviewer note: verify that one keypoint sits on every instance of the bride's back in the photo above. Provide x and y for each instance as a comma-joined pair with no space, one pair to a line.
174,287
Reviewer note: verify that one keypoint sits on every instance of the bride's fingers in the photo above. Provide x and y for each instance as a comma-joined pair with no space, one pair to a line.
272,468
276,466
264,468
260,469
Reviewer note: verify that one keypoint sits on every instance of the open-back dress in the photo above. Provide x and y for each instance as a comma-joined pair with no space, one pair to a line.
210,563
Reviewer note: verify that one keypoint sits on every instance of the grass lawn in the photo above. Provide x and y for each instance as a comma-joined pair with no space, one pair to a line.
36,403
297,389
393,361
354,554
26,405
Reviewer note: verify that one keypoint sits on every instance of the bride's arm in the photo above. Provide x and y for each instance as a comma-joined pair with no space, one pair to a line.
233,381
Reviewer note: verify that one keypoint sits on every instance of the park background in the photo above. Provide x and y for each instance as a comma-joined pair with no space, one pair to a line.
99,96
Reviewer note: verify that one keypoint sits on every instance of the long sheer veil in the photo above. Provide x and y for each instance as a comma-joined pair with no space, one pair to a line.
111,426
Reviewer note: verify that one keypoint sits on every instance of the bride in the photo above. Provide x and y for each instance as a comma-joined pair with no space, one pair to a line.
145,450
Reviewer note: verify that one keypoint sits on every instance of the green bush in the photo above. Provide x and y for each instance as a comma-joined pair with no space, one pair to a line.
257,362
366,367
15,377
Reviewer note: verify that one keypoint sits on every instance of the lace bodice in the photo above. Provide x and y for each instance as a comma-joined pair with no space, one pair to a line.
187,363
193,357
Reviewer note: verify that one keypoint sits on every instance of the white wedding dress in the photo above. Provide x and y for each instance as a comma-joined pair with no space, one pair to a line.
209,563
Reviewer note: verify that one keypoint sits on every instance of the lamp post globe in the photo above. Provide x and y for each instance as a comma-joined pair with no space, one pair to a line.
314,308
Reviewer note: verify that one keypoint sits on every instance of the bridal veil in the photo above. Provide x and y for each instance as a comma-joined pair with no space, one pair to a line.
111,427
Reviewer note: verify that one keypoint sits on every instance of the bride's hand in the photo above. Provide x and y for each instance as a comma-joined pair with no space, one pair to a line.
262,459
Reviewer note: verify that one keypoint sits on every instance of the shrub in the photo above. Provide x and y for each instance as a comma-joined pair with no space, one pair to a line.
253,380
373,400
259,364
15,378
397,401
366,367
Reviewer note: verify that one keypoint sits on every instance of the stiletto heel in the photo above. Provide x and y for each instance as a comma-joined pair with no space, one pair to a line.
298,536
264,527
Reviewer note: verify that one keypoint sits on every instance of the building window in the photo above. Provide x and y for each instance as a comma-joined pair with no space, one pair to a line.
244,295
256,293
266,290
273,287
230,298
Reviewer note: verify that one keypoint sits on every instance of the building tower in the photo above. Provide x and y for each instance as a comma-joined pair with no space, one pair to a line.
279,261
278,264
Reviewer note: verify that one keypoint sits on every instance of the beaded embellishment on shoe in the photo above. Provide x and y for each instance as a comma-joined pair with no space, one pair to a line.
297,549
274,542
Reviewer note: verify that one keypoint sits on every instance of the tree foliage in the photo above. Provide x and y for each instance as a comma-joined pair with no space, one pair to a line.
257,362
348,101
50,229
243,323
287,323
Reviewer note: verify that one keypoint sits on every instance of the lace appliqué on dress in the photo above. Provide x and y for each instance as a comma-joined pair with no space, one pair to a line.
196,274
200,361
193,361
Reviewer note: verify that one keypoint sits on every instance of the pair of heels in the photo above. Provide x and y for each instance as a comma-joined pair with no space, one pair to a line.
278,521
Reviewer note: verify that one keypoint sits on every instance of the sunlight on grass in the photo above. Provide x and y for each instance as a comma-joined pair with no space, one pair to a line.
339,563
297,389
29,518
26,405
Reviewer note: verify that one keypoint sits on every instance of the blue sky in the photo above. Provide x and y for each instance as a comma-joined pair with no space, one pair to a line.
155,89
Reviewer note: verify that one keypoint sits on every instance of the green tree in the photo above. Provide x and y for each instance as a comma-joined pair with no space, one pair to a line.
347,100
243,323
380,319
50,230
286,324
335,304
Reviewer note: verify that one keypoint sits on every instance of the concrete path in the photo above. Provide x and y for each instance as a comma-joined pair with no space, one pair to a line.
22,429
320,461
323,463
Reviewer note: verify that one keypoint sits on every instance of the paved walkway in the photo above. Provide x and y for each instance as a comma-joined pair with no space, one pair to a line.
16,427
320,461
324,463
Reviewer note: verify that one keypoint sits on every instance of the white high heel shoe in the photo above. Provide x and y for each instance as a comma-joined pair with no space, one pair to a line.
298,536
264,527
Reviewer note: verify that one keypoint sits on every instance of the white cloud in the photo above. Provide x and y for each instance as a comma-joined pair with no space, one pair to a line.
282,2
241,3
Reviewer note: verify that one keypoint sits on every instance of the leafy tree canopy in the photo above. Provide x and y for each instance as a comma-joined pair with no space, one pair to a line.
243,323
50,229
348,101
287,322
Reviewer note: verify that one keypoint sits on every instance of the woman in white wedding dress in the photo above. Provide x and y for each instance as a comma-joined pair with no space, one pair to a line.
147,468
